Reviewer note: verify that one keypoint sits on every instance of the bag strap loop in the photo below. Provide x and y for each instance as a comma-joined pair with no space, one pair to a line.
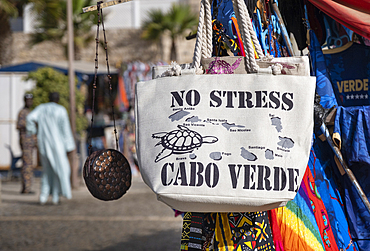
208,13
203,45
201,41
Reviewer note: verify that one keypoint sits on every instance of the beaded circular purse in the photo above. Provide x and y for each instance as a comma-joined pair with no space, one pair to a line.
107,174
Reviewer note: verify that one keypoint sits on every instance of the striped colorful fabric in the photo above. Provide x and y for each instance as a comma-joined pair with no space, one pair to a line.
298,224
276,234
196,230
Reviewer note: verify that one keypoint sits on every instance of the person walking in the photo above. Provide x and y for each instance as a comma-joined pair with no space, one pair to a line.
27,143
55,140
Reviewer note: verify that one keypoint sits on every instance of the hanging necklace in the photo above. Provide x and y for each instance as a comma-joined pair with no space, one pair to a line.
107,173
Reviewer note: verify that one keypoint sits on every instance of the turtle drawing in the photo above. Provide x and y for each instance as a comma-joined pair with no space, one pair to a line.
219,66
180,141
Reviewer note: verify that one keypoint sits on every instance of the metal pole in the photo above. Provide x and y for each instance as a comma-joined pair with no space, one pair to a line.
71,78
348,171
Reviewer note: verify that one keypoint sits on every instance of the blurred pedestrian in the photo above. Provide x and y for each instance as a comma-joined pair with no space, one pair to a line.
54,137
27,143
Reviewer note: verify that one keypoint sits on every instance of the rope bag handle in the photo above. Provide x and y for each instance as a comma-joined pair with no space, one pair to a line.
203,44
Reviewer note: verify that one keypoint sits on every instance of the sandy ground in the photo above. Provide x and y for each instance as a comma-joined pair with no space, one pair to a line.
137,221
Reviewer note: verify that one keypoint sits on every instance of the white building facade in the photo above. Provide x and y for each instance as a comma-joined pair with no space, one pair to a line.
129,15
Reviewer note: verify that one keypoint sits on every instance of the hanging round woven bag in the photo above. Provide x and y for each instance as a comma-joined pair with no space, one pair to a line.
107,174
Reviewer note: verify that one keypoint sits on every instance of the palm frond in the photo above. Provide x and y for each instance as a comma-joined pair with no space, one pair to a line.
8,8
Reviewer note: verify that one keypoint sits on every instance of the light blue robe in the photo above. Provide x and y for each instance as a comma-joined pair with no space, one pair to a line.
54,138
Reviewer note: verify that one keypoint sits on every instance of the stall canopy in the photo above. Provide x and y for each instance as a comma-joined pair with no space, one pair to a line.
353,14
84,71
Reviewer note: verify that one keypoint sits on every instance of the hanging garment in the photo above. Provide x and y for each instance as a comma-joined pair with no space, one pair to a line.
195,234
315,21
336,35
350,13
209,224
349,71
197,231
224,13
323,85
222,41
186,221
243,232
358,215
352,127
297,222
352,131
294,22
325,173
122,101
320,212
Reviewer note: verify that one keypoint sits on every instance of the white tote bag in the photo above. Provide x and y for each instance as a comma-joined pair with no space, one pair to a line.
224,143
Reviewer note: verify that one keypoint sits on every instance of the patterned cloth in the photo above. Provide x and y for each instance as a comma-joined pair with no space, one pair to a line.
27,143
186,222
209,225
243,232
197,231
319,211
324,171
195,234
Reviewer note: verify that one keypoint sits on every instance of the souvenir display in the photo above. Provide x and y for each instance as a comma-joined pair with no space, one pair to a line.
224,142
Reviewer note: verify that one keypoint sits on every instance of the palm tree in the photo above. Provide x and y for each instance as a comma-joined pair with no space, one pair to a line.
52,23
178,20
8,9
153,28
